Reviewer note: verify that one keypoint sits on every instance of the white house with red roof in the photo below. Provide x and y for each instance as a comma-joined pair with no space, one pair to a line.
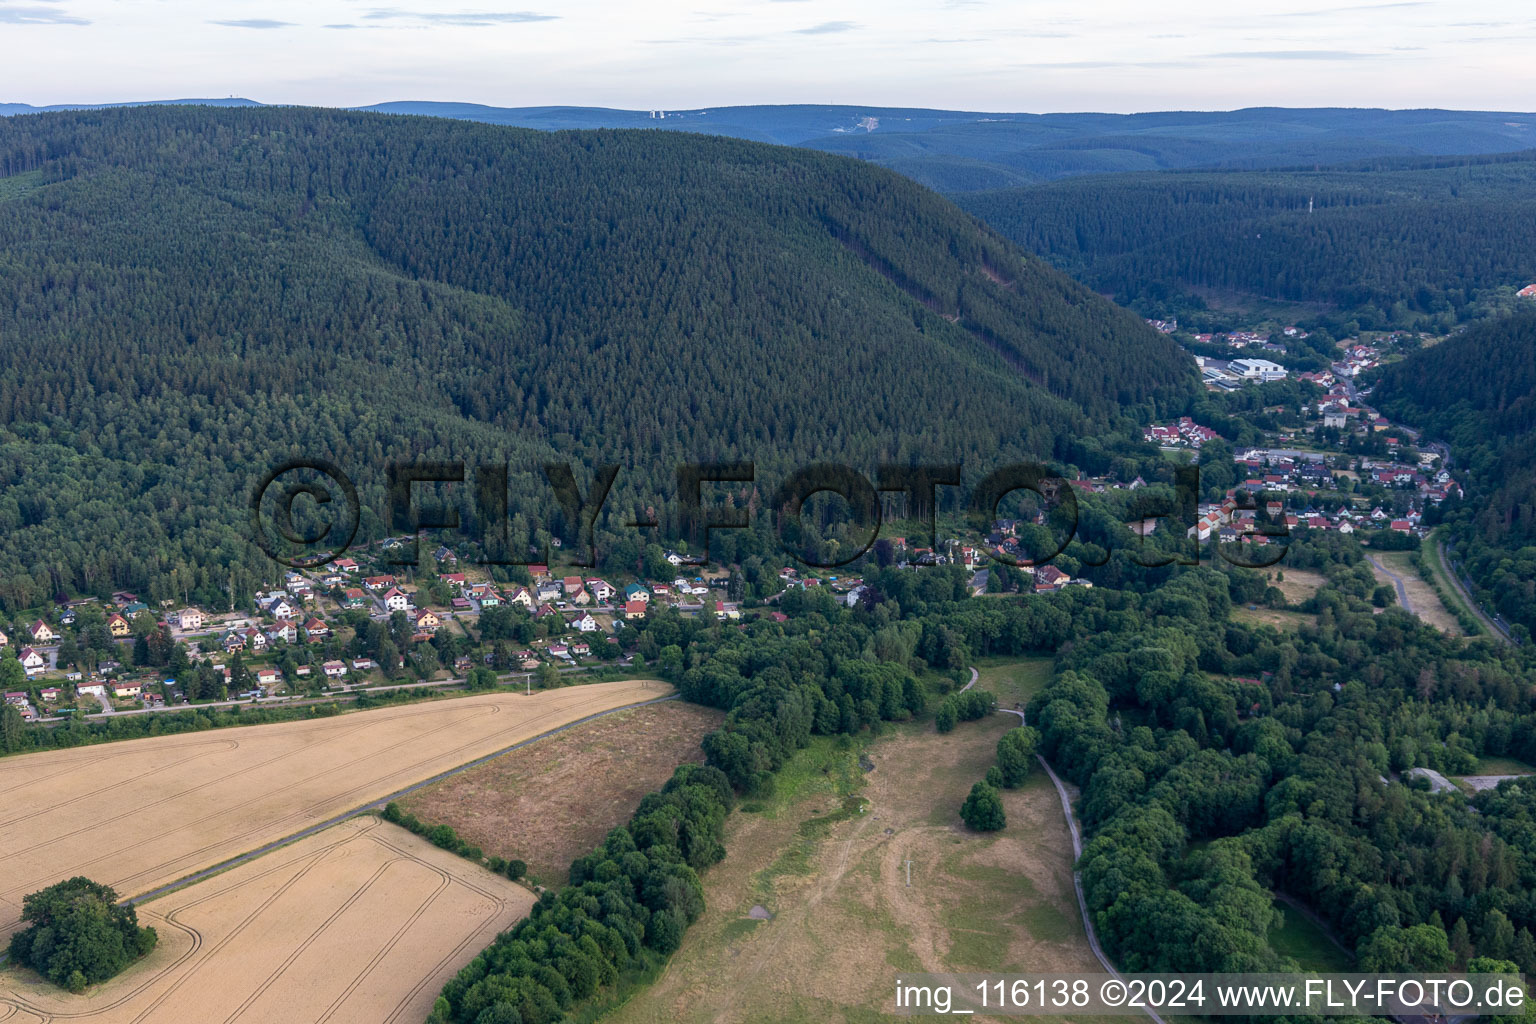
32,661
396,600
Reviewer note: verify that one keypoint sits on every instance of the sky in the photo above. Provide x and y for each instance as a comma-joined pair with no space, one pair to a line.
1004,55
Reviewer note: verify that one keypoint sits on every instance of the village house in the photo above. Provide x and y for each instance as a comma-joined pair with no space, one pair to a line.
3,638
549,590
729,611
601,590
396,600
41,633
94,688
379,582
584,622
635,609
352,597
635,592
1048,578
126,689
49,694
314,629
345,565
581,648
32,661
284,631
190,618
334,669
281,608
572,585
267,676
521,596
427,621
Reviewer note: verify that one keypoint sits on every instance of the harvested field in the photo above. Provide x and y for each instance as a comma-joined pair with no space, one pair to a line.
810,916
143,813
552,802
362,923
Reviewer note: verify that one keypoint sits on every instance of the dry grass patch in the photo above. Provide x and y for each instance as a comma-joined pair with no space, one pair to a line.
829,866
143,813
553,801
361,922
1425,602
1298,585
1278,617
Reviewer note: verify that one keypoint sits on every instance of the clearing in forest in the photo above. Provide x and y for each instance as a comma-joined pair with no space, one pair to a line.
810,916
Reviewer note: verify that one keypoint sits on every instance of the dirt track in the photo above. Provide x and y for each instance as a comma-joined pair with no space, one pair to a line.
359,924
143,813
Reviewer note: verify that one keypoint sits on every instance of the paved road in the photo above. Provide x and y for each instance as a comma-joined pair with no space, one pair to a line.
1494,629
1397,581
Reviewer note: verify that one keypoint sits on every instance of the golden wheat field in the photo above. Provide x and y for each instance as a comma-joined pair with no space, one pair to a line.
141,814
361,923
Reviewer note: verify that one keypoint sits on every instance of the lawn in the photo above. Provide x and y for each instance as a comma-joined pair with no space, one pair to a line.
1438,569
1014,680
1306,943
1502,766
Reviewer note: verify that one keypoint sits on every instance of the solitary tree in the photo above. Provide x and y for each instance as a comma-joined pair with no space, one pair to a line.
983,809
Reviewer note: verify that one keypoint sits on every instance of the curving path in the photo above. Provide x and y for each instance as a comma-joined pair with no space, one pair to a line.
1077,876
1397,581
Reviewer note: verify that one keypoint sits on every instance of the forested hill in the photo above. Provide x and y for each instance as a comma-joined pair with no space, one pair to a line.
1478,392
189,294
1399,240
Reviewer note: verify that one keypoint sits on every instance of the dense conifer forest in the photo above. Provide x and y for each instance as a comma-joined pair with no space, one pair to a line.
189,295
1403,241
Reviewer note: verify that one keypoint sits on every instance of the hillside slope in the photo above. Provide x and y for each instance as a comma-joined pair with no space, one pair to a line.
1478,392
1405,237
187,295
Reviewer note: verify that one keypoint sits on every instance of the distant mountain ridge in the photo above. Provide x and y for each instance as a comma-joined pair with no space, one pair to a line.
964,151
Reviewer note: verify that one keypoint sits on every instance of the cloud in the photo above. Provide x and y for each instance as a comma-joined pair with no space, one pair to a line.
253,23
826,28
460,18
1359,7
1293,55
28,15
